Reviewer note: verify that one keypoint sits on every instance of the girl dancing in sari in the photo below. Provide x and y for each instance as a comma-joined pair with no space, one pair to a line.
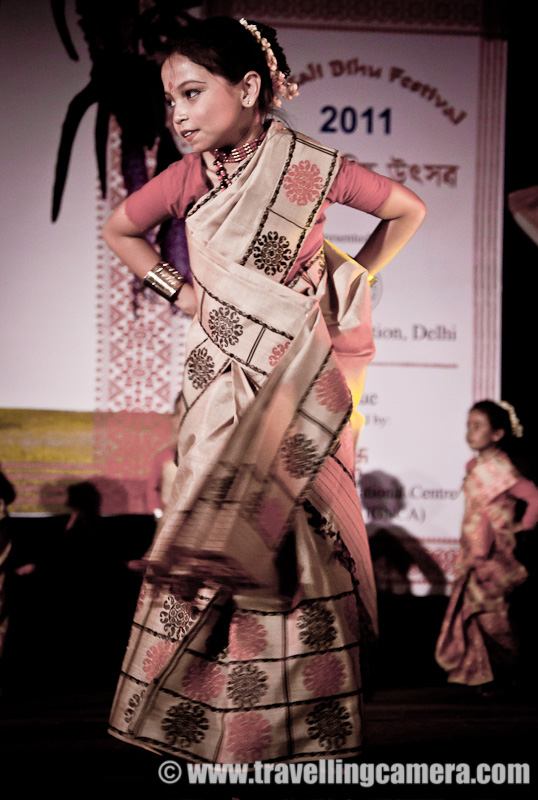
258,587
476,644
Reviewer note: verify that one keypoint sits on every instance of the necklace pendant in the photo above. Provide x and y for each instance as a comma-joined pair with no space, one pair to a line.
221,174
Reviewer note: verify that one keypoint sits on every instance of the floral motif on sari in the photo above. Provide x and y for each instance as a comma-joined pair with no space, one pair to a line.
332,391
272,253
185,724
316,625
176,618
277,352
133,705
300,455
329,722
225,327
248,736
303,183
204,681
324,675
248,637
247,685
157,656
200,368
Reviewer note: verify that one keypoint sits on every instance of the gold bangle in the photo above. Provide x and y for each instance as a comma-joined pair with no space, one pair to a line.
164,279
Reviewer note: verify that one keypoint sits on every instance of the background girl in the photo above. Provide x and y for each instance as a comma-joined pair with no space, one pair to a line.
477,645
259,589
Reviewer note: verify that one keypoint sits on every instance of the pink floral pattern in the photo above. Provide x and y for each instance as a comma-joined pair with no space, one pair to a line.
303,183
324,675
204,680
277,353
248,735
157,657
299,455
247,639
332,391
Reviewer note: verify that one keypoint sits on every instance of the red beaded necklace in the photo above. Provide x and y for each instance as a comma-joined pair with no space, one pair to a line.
235,155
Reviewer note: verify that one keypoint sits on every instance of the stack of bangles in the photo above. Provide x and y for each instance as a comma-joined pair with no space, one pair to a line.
164,279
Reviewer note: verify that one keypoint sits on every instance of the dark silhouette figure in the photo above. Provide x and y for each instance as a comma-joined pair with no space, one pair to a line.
407,623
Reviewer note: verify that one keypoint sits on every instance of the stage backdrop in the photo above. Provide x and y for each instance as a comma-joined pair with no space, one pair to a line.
426,109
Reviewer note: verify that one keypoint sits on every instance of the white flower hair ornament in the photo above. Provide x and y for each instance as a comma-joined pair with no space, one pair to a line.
282,88
515,424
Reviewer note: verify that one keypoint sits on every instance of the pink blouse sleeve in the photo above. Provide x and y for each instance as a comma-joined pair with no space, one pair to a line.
528,492
168,194
360,188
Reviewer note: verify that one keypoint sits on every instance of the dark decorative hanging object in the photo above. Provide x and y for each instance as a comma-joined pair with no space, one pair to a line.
124,43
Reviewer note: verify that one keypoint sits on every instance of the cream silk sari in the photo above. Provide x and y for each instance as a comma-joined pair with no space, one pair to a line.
259,589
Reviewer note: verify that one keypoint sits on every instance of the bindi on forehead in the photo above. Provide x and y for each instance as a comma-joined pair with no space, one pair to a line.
170,85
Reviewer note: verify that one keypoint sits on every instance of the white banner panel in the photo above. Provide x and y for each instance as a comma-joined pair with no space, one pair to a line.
408,106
